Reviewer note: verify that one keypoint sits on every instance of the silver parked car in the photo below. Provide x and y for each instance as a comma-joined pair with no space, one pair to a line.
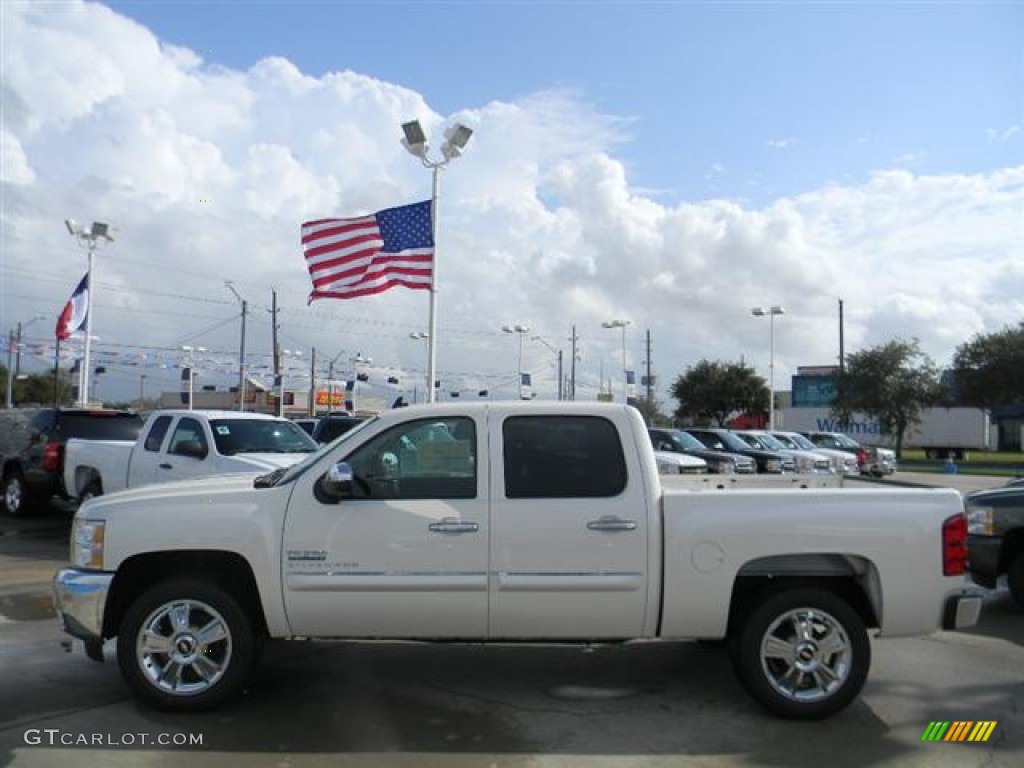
843,462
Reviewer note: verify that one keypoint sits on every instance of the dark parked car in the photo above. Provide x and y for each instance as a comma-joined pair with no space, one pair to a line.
724,440
306,425
995,537
333,426
32,449
719,462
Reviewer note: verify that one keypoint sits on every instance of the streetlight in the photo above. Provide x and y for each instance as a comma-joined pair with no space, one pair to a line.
522,330
620,324
415,141
14,346
558,353
330,382
424,336
770,312
89,239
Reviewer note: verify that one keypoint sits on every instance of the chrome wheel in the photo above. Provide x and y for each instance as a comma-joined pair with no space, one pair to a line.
183,647
802,652
806,655
14,494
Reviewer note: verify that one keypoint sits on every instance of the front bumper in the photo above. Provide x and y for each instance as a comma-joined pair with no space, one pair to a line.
961,611
80,598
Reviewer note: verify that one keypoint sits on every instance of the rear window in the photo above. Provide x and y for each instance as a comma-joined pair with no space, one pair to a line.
562,457
328,429
97,425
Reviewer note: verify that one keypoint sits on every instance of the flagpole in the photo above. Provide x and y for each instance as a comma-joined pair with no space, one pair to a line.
432,322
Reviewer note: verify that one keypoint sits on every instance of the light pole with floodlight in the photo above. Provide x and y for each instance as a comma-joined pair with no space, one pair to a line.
770,312
558,354
89,239
522,330
424,336
620,324
415,141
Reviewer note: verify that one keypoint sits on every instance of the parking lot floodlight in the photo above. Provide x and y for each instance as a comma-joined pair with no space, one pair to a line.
100,229
415,140
456,137
74,228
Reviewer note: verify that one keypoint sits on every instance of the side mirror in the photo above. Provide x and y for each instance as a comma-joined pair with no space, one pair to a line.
192,448
337,483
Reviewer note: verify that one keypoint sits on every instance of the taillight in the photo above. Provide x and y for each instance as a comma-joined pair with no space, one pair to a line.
954,546
52,452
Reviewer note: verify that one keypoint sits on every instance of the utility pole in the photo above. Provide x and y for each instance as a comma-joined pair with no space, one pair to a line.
842,353
10,371
278,378
311,404
572,365
241,349
650,381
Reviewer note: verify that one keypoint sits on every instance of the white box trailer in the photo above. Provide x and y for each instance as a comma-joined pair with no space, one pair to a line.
942,433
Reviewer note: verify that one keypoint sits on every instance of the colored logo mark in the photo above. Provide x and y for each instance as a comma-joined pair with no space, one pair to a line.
959,730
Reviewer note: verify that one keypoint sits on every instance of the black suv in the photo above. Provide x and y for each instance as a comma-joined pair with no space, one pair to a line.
332,426
32,449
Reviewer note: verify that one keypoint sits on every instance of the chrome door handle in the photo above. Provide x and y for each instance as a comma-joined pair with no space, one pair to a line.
612,524
165,465
453,526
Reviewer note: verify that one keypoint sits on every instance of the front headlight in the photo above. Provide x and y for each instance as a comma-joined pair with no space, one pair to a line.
805,463
980,521
773,465
726,467
87,543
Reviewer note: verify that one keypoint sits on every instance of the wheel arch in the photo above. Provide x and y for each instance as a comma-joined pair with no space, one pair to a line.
853,578
227,570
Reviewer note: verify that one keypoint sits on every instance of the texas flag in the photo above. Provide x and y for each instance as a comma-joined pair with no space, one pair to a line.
73,316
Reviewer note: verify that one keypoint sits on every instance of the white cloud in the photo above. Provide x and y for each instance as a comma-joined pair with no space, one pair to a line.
780,143
540,222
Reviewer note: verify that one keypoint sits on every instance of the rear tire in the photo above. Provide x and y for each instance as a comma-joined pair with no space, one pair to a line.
186,646
15,498
803,653
91,491
1015,578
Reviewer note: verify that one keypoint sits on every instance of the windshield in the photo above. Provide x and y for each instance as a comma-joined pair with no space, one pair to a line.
786,440
286,475
772,444
684,441
801,442
234,436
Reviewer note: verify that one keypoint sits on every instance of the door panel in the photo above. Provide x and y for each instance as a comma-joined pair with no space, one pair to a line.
569,531
407,555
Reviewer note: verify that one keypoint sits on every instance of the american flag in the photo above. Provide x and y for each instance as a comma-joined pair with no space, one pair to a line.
355,257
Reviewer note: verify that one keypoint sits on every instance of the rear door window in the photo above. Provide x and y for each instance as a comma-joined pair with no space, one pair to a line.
562,457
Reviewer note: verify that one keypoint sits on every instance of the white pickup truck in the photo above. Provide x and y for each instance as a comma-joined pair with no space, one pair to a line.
509,522
183,444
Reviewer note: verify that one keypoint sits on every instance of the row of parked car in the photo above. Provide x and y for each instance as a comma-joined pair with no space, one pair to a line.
726,451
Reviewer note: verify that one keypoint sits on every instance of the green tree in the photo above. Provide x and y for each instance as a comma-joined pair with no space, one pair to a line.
988,368
652,413
715,390
892,383
36,388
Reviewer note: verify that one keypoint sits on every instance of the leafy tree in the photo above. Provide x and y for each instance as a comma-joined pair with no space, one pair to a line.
715,390
988,368
36,388
652,413
892,383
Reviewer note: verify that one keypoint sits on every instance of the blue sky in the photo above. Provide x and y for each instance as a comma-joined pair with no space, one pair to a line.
670,164
740,100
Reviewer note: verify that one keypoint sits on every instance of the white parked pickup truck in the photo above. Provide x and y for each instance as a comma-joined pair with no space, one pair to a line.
509,522
183,444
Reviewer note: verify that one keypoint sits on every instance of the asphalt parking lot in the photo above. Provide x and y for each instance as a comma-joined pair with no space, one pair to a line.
368,704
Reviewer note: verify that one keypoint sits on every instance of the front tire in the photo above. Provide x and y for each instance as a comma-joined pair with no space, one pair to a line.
1015,579
186,646
803,653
